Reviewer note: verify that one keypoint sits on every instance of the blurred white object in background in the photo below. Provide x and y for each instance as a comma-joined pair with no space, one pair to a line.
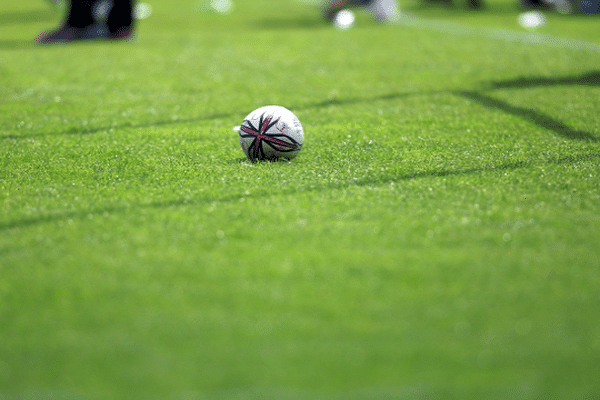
344,19
532,20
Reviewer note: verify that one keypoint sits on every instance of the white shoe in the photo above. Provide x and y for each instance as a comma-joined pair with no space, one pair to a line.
385,10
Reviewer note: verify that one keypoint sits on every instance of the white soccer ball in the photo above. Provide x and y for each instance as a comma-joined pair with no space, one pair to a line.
271,133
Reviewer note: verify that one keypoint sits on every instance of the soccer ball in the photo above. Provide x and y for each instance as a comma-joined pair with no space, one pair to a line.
271,133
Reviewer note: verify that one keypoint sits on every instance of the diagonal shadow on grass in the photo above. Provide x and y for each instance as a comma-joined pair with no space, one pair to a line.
542,120
90,131
588,79
359,100
538,118
319,104
234,197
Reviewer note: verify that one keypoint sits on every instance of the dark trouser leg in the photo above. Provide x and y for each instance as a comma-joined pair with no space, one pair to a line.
80,14
121,15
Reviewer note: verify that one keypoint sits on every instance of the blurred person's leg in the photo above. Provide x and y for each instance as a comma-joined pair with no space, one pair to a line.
382,10
81,25
120,19
80,14
385,10
78,25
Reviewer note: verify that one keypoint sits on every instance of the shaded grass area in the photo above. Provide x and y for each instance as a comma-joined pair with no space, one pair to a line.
436,238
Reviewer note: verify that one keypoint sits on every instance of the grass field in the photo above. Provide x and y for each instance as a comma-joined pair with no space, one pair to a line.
438,237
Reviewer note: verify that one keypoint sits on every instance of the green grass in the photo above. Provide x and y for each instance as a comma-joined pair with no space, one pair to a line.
437,237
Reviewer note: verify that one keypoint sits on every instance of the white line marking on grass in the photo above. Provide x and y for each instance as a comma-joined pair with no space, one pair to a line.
497,34
505,35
